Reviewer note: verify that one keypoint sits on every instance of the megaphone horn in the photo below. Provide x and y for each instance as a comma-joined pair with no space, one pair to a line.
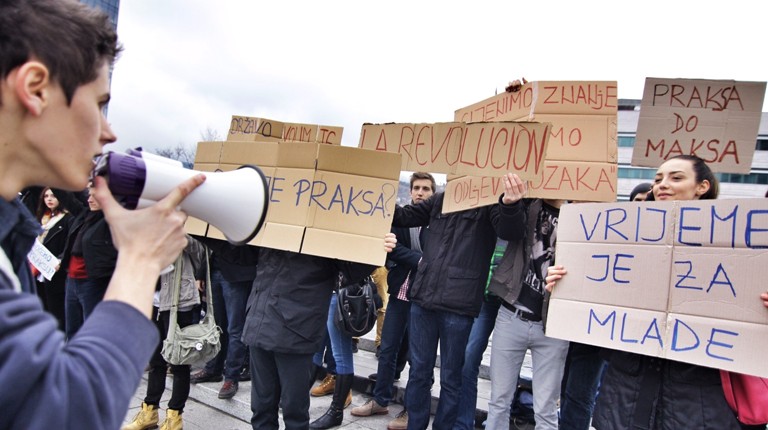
235,202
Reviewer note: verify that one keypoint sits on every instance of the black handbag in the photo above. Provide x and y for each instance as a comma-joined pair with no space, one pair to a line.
356,308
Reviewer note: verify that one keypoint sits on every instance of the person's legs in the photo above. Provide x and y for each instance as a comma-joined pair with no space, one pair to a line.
398,312
476,345
510,343
583,370
423,332
265,390
91,293
74,310
235,300
180,392
341,344
548,361
295,374
158,368
454,333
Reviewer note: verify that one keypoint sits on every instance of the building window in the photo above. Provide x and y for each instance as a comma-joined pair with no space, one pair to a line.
626,141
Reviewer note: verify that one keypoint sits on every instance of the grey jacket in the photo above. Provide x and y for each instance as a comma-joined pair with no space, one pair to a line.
507,279
193,257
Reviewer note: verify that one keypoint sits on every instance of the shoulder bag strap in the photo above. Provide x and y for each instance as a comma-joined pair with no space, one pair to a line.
178,269
208,319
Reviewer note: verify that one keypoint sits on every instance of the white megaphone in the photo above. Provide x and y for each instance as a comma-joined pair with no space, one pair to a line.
235,202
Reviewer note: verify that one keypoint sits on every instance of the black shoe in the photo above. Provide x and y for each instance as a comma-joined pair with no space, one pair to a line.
372,376
397,376
330,419
245,374
228,389
203,376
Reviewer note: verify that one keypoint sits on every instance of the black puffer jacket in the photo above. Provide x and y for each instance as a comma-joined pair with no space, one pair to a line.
640,392
457,253
288,305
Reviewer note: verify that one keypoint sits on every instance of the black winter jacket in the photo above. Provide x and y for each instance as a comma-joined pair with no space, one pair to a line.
99,252
457,253
640,392
288,306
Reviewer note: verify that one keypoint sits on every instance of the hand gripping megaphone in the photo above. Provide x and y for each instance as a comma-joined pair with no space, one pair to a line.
235,202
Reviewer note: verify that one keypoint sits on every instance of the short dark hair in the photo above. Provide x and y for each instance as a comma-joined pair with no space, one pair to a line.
423,175
641,188
703,172
73,40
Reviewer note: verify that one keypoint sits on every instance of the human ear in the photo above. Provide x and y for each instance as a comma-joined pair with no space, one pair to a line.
32,86
702,188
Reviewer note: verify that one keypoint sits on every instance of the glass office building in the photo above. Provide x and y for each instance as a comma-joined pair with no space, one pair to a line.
732,185
111,7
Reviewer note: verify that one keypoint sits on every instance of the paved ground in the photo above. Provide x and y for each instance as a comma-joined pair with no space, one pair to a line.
205,410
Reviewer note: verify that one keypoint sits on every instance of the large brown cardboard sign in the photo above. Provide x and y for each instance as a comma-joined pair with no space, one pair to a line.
245,128
324,200
678,280
479,149
715,120
569,180
545,97
351,202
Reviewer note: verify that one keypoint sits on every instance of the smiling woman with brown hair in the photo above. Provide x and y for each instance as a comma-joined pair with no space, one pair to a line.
639,391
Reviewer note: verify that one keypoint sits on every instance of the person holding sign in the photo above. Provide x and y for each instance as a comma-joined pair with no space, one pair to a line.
53,212
519,282
640,391
447,293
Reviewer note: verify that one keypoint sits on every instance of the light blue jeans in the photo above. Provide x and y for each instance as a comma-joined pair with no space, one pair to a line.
512,337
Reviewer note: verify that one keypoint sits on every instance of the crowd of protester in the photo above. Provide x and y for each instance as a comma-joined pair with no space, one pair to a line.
77,342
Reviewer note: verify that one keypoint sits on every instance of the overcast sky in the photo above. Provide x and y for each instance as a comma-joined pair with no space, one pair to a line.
190,65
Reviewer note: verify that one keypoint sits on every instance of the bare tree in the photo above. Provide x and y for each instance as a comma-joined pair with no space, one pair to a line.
210,135
181,152
186,153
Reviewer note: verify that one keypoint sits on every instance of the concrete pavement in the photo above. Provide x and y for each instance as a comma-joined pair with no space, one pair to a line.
205,410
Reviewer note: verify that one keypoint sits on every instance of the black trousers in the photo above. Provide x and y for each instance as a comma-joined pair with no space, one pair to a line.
158,368
280,381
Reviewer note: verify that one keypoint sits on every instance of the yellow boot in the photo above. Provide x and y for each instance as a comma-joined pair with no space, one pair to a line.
146,419
325,387
172,420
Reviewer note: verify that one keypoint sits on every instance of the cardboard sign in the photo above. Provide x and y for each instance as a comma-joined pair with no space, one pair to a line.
351,203
324,200
479,149
545,97
43,260
595,182
678,280
715,120
251,129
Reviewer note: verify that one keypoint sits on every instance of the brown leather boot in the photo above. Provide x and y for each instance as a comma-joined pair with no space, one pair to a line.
325,387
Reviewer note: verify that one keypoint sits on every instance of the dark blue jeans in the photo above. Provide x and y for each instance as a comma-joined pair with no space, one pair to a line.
82,295
583,371
216,365
426,329
473,356
235,300
395,327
